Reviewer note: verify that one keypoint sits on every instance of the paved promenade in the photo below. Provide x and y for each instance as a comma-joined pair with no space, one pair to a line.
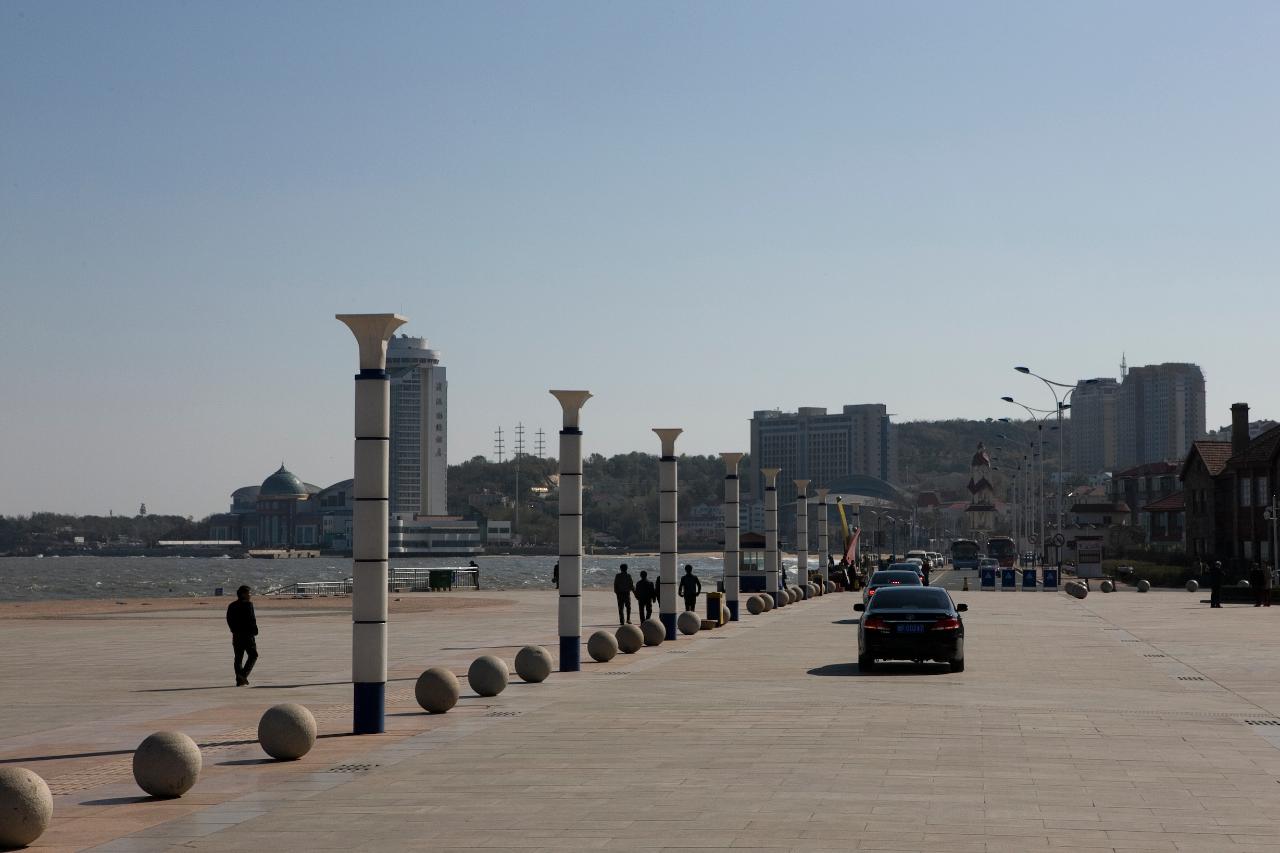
1125,722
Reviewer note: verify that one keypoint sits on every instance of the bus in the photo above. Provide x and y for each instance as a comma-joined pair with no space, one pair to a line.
964,554
1003,550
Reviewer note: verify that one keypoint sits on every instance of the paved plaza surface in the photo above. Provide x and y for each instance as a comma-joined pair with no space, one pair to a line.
1124,722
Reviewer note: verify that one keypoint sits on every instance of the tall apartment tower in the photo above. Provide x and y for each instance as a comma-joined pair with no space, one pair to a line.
1093,426
419,428
821,447
1160,410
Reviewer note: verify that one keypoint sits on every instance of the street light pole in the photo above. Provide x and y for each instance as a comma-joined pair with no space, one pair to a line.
1039,463
1061,405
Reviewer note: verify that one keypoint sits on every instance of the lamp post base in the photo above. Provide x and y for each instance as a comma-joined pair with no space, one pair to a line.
369,708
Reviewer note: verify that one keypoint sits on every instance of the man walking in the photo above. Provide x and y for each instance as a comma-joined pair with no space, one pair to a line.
244,632
646,592
623,587
926,567
690,586
1215,585
1255,584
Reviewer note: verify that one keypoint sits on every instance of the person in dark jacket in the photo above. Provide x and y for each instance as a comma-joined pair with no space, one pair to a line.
623,587
555,576
690,586
244,632
927,569
646,593
1216,575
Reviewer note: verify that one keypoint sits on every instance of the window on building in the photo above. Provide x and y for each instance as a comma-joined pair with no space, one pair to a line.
1246,491
1248,549
1264,493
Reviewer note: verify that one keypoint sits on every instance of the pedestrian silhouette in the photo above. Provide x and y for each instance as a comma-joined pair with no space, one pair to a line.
646,592
244,634
555,576
690,586
1216,575
623,587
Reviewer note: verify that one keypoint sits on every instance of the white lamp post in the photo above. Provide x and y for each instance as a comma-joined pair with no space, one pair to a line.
824,552
802,538
771,532
667,527
731,558
570,621
370,493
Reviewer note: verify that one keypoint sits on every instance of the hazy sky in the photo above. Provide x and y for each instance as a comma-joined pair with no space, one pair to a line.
694,210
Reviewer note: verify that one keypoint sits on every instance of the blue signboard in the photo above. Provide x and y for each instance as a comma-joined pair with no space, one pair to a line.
987,578
1029,578
1050,577
1008,578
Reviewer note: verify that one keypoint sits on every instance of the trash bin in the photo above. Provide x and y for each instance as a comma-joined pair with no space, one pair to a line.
717,611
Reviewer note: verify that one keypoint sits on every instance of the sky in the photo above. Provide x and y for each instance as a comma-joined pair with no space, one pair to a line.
694,210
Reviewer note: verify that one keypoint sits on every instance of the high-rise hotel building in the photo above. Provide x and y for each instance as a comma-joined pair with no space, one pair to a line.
419,428
1093,426
821,447
1160,410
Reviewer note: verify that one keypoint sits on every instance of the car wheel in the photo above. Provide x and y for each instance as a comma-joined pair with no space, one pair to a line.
957,665
866,663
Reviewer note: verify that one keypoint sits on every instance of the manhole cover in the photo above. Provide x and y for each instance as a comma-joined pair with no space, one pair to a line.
351,768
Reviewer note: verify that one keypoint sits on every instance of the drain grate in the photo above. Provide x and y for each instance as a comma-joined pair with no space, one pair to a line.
1153,656
351,768
1262,722
1191,678
617,672
503,714
1130,641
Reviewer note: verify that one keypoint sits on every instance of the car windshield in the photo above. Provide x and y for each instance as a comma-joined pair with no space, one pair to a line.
915,598
909,578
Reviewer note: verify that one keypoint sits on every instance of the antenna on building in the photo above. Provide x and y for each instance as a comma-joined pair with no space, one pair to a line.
498,445
540,445
1124,365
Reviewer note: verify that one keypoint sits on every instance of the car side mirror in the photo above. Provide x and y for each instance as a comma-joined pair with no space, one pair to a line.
961,608
859,607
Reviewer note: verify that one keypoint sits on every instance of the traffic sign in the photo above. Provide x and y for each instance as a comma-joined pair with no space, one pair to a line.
1059,540
1033,539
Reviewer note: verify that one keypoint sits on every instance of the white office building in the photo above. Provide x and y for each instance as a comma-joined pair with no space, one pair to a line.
419,428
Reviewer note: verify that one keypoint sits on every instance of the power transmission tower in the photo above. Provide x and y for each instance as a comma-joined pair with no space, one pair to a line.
541,444
515,518
498,445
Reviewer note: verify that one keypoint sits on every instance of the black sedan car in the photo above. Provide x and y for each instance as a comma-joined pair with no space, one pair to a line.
915,623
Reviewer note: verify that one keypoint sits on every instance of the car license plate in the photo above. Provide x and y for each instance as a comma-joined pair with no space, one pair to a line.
911,629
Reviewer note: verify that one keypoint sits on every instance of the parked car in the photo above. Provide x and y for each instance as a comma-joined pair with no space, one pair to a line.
891,577
912,623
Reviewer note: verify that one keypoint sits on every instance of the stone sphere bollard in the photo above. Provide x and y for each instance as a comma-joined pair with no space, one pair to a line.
1108,586
533,664
166,764
602,646
1193,585
1244,584
688,622
488,675
794,592
654,631
1075,589
437,690
630,639
26,807
1144,585
755,605
767,600
287,731
831,586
